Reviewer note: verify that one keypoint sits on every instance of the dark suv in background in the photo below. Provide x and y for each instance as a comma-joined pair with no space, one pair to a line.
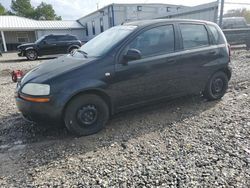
145,61
49,45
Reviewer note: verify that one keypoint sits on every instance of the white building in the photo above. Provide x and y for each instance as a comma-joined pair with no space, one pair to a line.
115,14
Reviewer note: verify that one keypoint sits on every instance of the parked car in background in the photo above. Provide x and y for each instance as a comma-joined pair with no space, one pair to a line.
234,22
237,31
146,61
49,45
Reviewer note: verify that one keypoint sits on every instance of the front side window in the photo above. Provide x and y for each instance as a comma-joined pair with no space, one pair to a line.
51,39
155,41
40,39
194,36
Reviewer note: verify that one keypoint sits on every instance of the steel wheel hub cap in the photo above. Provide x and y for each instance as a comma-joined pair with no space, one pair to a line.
217,85
87,115
32,55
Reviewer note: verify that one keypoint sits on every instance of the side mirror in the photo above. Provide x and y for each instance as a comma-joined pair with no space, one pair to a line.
132,54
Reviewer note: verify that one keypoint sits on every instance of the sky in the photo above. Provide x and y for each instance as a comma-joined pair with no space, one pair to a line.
74,9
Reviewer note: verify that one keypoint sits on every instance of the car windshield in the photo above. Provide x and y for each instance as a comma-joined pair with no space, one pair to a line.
102,43
40,39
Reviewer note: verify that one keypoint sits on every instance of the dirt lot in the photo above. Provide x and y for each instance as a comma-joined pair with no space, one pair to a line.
188,142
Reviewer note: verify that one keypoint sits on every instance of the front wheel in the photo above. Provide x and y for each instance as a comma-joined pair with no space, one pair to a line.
216,87
31,55
86,114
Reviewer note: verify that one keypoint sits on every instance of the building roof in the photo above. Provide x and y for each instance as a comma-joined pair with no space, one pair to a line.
19,23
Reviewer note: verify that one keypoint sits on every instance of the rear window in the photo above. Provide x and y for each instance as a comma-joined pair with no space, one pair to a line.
216,35
194,35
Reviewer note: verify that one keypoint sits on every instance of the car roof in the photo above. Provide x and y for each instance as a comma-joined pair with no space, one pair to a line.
142,23
61,35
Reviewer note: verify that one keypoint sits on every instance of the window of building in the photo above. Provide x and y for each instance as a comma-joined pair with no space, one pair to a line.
194,35
22,37
93,27
139,8
168,9
156,41
87,29
101,24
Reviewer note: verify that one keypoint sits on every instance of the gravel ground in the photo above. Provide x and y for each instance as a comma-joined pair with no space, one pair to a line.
188,142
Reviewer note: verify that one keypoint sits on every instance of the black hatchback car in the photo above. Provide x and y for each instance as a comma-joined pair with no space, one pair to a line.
49,45
127,66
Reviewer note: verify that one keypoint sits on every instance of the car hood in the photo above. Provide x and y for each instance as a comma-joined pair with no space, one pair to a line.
53,68
26,45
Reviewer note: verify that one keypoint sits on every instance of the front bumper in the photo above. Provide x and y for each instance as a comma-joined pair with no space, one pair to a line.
20,53
39,112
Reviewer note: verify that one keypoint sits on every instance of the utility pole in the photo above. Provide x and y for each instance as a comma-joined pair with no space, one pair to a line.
222,2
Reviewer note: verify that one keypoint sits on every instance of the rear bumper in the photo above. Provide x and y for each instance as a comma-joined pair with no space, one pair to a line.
39,112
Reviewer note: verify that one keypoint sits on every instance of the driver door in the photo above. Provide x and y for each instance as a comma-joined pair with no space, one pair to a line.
153,75
48,46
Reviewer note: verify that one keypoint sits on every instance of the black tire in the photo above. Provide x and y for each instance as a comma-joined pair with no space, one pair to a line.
76,114
216,87
31,55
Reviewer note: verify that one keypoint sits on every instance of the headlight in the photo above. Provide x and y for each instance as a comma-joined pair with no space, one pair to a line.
36,89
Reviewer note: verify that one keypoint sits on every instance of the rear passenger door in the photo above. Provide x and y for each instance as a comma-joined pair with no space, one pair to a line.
197,53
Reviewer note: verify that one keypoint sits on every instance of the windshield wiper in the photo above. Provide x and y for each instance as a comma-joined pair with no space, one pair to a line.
82,52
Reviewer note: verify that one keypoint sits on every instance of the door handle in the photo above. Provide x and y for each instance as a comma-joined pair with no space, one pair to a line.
171,61
212,52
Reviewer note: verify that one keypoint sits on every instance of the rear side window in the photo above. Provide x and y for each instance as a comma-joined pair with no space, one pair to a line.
155,41
194,35
216,35
65,38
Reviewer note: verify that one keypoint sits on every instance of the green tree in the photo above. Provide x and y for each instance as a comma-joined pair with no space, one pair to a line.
239,13
2,10
22,8
45,12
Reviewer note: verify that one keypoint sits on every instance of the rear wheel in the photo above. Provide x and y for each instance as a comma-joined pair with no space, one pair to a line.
31,55
86,114
216,87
